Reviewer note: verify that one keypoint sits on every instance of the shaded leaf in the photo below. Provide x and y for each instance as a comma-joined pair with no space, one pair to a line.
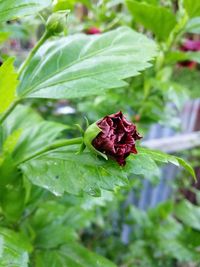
189,79
61,221
35,133
23,117
72,255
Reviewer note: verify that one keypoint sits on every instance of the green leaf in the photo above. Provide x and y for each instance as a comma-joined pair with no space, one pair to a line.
4,36
166,158
142,164
189,79
35,133
192,7
8,84
35,138
23,118
188,213
63,170
11,141
175,56
12,9
8,170
60,221
69,4
193,26
157,19
73,255
14,249
82,65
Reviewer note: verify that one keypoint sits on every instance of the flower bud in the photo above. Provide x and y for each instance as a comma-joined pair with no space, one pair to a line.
90,134
56,23
112,136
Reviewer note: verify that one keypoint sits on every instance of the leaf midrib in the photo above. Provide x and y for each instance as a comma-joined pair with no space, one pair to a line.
66,67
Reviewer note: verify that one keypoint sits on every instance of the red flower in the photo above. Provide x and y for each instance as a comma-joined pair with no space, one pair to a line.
117,137
93,30
190,45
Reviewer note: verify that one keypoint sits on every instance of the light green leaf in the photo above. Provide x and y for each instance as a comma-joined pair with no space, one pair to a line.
142,164
11,141
158,19
69,4
82,65
72,255
8,84
193,26
192,7
14,249
166,158
4,36
188,213
63,170
12,9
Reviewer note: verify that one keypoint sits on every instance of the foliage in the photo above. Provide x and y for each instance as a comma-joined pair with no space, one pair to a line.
61,204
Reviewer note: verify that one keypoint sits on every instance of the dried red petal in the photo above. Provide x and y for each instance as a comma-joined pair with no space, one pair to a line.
117,137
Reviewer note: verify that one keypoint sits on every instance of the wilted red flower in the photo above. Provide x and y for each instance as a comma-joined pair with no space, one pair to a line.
93,30
117,138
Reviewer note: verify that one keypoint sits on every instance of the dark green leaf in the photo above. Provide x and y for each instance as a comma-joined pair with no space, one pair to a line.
72,255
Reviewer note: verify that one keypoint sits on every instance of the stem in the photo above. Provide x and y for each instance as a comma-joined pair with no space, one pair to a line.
60,143
44,37
9,110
